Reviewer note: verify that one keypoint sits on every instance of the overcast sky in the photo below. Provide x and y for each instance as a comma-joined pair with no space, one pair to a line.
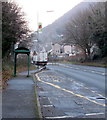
36,10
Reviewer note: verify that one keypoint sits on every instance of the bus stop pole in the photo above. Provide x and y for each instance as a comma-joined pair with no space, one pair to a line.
14,64
28,64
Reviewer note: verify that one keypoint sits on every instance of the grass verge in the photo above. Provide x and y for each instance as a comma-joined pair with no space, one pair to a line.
94,64
7,71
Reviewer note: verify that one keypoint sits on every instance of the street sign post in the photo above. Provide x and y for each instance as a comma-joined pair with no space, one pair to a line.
39,27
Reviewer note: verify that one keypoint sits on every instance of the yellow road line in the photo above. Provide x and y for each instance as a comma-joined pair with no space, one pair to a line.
56,86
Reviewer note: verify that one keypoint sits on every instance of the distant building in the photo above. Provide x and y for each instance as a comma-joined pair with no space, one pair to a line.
56,49
67,49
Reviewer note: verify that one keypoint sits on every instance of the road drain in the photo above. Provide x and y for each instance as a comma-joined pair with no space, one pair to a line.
97,98
101,98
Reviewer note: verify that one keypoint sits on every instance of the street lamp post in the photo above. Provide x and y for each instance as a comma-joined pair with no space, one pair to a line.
39,25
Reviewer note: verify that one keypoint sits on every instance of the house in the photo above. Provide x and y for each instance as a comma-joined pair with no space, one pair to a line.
67,49
71,50
56,49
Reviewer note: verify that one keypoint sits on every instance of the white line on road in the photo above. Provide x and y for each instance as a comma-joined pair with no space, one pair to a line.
59,117
94,114
49,100
47,105
77,68
103,74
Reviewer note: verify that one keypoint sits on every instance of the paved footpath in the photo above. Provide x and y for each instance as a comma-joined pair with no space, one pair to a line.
19,98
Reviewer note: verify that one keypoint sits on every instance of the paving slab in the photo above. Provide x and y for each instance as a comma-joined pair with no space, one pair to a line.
19,98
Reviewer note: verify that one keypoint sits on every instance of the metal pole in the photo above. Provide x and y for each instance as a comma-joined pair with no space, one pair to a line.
37,18
14,64
28,64
37,49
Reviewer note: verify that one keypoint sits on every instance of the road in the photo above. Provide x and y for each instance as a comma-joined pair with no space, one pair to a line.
69,91
91,76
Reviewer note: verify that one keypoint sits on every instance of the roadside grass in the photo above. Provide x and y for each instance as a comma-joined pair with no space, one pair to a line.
94,64
8,67
7,70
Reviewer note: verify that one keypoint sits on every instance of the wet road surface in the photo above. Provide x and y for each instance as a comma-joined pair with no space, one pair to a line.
71,92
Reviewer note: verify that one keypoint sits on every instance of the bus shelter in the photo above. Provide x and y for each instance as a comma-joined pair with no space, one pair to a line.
21,50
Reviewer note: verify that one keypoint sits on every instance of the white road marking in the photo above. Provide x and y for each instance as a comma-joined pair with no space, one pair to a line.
103,74
93,71
59,117
93,91
47,105
56,80
49,100
94,114
77,68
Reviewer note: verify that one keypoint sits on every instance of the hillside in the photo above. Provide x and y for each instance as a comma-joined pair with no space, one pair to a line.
50,33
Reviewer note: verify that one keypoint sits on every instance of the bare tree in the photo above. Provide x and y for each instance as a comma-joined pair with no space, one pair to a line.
79,32
84,26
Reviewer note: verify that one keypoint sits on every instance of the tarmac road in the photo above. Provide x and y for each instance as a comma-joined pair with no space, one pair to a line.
91,76
71,91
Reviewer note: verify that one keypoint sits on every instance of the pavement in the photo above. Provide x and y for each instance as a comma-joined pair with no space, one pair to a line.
62,97
18,99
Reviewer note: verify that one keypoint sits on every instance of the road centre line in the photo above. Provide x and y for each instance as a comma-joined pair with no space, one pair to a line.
56,86
101,73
